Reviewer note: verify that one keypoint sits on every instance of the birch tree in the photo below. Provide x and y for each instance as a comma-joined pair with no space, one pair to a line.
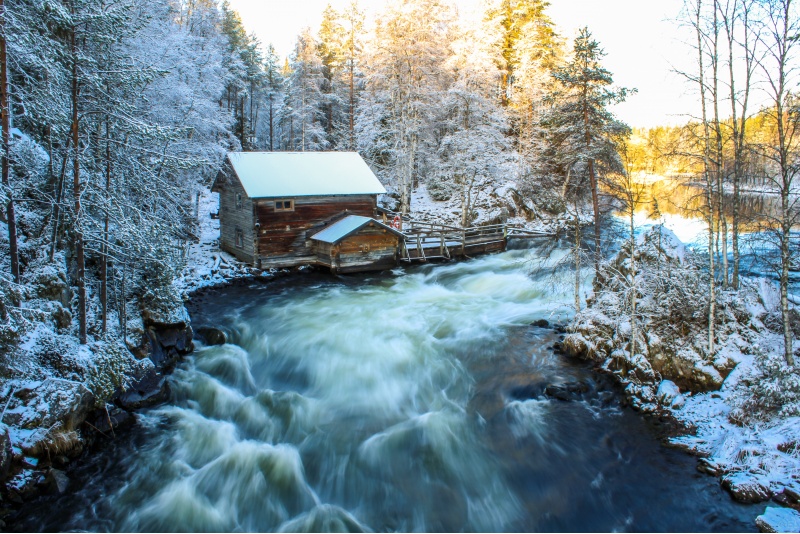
779,39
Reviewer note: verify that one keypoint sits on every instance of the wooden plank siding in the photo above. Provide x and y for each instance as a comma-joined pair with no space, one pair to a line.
233,218
369,249
283,235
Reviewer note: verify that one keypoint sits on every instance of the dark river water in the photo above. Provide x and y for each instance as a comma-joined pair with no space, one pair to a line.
411,401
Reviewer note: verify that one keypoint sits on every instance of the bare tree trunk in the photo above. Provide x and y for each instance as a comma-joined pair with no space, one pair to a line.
783,28
59,196
722,225
712,297
5,112
271,122
632,208
104,245
76,192
577,253
786,227
352,101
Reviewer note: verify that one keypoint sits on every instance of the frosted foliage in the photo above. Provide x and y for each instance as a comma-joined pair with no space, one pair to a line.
404,89
772,391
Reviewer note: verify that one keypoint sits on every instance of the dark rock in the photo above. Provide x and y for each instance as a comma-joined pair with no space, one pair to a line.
745,488
168,344
57,481
151,390
705,465
6,454
541,323
792,493
110,419
24,485
568,391
527,391
785,500
211,335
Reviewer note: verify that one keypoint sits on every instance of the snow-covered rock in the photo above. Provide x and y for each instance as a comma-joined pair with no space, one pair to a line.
778,520
747,488
668,394
44,416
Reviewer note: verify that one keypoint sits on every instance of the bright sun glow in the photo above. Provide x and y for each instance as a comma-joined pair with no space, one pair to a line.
642,40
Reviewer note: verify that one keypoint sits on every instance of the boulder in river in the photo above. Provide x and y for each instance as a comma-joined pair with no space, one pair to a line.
57,480
211,336
778,520
151,390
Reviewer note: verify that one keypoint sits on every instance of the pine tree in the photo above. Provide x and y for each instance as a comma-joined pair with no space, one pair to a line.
580,131
304,99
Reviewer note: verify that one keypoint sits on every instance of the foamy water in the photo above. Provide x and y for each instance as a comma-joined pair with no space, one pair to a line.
409,402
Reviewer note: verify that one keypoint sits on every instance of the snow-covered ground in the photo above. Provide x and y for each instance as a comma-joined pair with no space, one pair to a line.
206,264
764,452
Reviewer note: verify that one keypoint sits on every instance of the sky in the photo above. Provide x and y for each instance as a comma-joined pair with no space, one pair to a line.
641,38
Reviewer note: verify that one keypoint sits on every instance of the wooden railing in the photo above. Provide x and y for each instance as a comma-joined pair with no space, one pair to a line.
424,240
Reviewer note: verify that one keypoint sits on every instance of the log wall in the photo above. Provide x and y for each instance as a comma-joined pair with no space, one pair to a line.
283,235
369,249
232,218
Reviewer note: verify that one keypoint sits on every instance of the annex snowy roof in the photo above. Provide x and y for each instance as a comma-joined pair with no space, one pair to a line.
302,174
343,228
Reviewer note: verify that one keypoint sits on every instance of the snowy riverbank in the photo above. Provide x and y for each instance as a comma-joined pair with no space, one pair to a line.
742,398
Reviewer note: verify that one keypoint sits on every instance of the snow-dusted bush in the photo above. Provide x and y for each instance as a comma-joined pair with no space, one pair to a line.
772,391
670,323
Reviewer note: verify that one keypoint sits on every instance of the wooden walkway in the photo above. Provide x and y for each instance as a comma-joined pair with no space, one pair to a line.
428,241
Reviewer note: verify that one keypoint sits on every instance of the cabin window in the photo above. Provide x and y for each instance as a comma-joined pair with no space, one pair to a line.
239,202
284,205
239,238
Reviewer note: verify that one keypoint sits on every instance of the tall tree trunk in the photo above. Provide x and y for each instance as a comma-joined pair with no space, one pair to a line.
632,206
271,119
59,195
5,112
352,102
786,227
718,154
595,199
104,245
712,294
577,253
76,192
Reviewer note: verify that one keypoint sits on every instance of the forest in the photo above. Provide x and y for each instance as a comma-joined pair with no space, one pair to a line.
117,115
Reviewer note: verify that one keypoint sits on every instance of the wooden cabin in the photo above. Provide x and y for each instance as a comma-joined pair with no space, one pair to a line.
357,243
271,203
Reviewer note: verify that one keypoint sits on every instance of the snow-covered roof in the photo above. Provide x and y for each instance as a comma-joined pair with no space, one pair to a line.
302,174
343,228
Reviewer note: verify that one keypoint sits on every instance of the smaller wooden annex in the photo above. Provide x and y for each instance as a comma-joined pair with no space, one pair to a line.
282,209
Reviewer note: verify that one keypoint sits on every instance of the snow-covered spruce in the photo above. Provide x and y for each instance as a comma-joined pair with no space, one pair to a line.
743,399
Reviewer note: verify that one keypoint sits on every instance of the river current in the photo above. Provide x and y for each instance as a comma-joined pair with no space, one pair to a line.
410,401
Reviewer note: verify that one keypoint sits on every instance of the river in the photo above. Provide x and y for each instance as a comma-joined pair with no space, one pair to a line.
410,401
